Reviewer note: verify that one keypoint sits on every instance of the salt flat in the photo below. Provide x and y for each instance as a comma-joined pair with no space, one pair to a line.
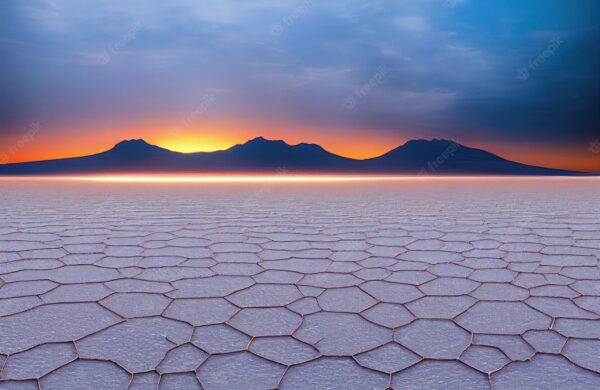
408,284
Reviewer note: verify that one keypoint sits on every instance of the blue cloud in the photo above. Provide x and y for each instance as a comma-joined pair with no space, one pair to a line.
454,68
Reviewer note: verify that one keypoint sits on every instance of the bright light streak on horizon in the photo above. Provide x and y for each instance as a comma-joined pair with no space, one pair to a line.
280,178
237,179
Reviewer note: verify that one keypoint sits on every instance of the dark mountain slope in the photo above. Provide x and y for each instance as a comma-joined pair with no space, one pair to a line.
443,156
261,155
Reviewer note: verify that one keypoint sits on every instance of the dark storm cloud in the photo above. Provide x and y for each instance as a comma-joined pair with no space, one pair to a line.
450,67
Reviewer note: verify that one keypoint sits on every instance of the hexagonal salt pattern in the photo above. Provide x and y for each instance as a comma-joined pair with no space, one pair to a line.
419,285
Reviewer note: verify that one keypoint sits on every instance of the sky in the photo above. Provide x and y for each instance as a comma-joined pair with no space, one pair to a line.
519,78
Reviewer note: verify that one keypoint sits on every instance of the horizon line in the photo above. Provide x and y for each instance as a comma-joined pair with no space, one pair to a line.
270,178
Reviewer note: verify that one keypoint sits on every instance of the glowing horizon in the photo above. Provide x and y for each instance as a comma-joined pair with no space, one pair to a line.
271,178
359,147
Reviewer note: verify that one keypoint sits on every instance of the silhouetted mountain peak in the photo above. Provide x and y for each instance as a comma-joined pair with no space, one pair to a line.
138,151
264,155
262,141
136,146
260,138
133,144
423,149
280,144
430,142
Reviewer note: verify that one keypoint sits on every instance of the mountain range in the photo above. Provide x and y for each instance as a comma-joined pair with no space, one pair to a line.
260,155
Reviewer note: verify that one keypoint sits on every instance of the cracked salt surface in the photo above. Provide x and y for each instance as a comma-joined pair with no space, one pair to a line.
446,283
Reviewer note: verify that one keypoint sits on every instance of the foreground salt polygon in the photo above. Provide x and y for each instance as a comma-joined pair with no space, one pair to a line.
417,284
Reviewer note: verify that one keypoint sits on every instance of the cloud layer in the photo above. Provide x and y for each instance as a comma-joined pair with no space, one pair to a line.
475,70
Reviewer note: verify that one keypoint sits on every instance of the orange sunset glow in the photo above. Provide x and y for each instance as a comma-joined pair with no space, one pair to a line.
45,146
358,80
207,136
